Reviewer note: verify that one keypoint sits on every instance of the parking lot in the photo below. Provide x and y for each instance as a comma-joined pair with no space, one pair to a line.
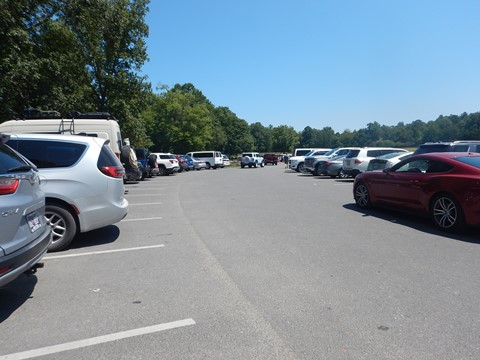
259,263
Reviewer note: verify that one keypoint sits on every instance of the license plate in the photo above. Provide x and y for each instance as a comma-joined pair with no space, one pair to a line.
34,222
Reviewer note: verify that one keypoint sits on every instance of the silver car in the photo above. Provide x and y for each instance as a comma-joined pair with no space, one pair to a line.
82,180
25,235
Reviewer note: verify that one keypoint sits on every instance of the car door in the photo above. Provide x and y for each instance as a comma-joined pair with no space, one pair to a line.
403,186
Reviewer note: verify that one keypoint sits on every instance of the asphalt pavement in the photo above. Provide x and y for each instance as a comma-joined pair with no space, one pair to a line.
260,263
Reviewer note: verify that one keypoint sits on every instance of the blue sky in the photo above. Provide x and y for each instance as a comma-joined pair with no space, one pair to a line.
318,63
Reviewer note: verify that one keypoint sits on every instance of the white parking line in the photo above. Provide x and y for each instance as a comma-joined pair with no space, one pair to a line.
96,340
157,203
102,252
150,195
153,218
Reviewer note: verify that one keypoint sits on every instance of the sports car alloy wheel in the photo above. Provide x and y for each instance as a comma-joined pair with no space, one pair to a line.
362,196
446,213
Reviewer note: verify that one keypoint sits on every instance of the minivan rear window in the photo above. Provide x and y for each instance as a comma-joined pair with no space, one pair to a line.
107,158
49,153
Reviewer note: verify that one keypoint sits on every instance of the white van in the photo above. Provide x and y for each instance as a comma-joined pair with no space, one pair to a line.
101,125
213,159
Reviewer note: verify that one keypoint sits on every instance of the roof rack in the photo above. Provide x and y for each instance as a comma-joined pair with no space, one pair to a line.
92,115
32,113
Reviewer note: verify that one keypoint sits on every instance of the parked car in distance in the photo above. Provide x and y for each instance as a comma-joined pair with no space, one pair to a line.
25,233
449,146
226,160
297,162
444,186
199,164
167,163
213,159
312,162
270,159
142,158
356,161
182,163
83,182
251,159
331,167
388,160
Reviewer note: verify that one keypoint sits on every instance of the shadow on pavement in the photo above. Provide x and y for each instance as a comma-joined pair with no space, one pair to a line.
15,293
420,223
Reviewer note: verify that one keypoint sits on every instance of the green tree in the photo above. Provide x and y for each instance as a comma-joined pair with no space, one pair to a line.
284,139
236,130
262,137
183,120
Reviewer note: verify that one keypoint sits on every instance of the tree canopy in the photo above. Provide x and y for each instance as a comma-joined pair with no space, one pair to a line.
87,55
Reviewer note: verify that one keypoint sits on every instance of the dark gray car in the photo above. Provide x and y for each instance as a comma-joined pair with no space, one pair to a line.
25,235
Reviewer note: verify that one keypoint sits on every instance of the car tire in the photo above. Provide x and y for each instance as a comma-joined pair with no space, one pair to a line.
262,164
446,213
242,166
208,166
362,196
63,224
255,164
162,171
341,174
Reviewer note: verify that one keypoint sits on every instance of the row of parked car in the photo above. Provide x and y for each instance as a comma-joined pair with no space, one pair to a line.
440,180
162,164
54,186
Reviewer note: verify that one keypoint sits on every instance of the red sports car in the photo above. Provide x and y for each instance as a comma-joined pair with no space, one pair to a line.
444,186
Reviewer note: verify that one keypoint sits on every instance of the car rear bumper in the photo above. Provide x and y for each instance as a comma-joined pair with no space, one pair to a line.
23,259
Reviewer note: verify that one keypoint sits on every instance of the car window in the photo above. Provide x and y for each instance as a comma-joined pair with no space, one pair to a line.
49,153
107,158
423,149
352,153
438,167
460,148
473,161
414,166
9,159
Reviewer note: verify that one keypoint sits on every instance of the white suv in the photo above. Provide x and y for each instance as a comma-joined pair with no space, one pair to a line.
82,180
167,163
297,163
356,161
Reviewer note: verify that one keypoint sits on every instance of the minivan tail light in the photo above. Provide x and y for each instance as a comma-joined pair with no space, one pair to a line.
8,186
358,161
113,171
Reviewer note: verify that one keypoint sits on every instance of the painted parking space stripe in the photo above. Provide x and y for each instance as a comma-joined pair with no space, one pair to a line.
141,219
149,195
155,203
101,252
97,340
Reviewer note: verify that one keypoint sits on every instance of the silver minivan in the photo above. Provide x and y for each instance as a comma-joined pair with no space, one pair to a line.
82,180
25,234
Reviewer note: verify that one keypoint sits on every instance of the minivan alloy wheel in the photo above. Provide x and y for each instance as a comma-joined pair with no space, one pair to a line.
63,226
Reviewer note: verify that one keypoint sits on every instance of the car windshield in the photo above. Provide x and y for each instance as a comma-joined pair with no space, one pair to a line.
328,153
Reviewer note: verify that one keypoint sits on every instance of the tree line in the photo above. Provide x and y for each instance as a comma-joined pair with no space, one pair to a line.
87,55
